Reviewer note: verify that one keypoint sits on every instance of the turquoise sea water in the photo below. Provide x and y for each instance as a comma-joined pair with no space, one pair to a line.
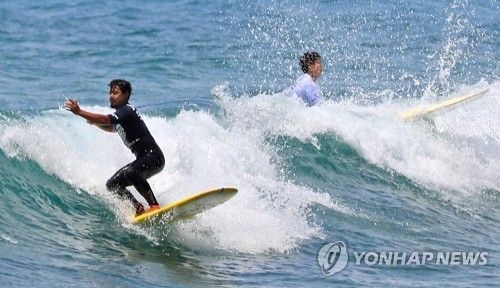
208,78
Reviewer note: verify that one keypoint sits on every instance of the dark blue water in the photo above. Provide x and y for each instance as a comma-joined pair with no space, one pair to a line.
208,78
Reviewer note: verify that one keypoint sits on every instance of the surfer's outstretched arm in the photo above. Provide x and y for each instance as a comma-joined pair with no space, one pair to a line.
104,127
100,120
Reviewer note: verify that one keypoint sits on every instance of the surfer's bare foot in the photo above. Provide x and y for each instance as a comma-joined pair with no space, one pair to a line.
153,208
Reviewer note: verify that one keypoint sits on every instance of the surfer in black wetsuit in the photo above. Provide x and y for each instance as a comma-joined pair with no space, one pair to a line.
136,136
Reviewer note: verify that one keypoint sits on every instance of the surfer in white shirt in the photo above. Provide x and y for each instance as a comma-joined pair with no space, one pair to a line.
305,86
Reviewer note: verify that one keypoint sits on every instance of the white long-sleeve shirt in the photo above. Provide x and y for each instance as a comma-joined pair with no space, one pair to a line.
306,89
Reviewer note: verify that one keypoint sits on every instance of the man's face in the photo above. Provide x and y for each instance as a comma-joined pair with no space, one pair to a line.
315,69
117,98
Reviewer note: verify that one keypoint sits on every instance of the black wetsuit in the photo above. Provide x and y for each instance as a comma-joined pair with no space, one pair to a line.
149,157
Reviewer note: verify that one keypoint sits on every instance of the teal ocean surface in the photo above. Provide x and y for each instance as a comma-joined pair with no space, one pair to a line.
348,177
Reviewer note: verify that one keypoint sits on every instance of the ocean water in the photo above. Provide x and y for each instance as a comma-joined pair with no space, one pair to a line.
208,78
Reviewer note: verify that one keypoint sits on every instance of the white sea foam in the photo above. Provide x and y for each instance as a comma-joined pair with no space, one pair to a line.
9,239
270,212
461,153
202,153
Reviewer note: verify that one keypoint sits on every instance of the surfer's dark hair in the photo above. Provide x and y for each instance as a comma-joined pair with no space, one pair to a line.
308,58
124,85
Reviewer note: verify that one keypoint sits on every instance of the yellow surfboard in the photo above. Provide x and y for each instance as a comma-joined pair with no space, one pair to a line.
192,205
436,109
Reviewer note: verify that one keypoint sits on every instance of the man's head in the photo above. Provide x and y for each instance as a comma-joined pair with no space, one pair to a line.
310,63
119,93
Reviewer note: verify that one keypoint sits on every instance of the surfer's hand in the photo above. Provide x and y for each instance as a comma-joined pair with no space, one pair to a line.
72,105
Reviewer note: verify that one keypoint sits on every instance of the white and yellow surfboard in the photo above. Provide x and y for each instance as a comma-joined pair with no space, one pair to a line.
430,111
190,206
